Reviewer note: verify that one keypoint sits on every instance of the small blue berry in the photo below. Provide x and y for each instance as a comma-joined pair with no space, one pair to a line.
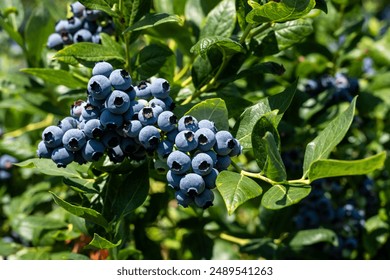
185,141
160,88
178,162
192,184
102,68
52,136
188,123
74,139
149,137
120,79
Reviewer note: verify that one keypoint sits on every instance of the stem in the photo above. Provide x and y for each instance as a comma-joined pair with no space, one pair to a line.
248,29
30,127
259,30
258,176
234,239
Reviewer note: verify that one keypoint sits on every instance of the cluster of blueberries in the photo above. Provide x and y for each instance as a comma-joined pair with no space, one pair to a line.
126,121
84,26
6,163
341,87
318,210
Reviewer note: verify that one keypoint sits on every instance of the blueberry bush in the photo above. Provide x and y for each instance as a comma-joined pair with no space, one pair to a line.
191,129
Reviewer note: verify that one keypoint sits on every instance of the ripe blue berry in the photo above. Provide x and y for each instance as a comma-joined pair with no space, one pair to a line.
202,164
93,128
173,180
171,135
82,35
111,139
110,120
137,105
207,124
116,155
237,149
55,42
74,139
92,15
183,199
185,141
74,24
43,151
62,157
142,90
147,116
102,68
224,143
178,162
157,102
133,128
93,150
164,149
149,137
118,102
77,9
167,121
223,162
90,112
61,26
128,145
205,199
99,87
188,123
52,136
160,88
120,79
210,179
67,123
206,139
192,184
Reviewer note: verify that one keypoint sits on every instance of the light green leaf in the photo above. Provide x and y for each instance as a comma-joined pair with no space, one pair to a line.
327,140
86,213
280,196
48,167
324,168
152,20
101,243
280,11
314,236
55,76
213,109
220,21
226,45
99,5
236,189
292,32
274,167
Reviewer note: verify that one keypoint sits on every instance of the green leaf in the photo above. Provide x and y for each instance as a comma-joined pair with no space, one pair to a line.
327,140
280,11
88,53
99,5
248,119
151,58
152,20
262,126
55,76
274,167
81,184
262,68
86,213
280,196
313,236
48,167
109,42
14,34
101,243
324,168
213,109
226,45
321,5
236,189
220,21
242,9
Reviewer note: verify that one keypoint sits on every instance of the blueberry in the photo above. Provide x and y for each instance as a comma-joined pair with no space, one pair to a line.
210,179
93,128
188,123
5,175
61,26
142,90
183,199
169,103
74,139
157,102
55,42
137,105
185,141
43,151
96,39
129,115
131,92
178,162
128,145
164,149
223,162
90,112
67,38
224,143
68,123
110,120
206,139
192,184
98,103
74,24
116,155
92,15
99,87
77,9
82,35
171,135
173,180
160,88
102,68
207,124
118,102
147,116
149,137
62,157
205,199
52,136
91,26
202,164
237,149
76,108
111,139
167,121
133,128
6,162
93,150
120,79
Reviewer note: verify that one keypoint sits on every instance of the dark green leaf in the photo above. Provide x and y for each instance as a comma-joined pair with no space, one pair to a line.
227,46
324,168
280,196
220,21
262,68
99,5
274,167
152,58
152,20
280,11
327,140
86,213
211,109
101,243
81,184
204,69
314,236
242,9
55,76
109,42
321,5
236,189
